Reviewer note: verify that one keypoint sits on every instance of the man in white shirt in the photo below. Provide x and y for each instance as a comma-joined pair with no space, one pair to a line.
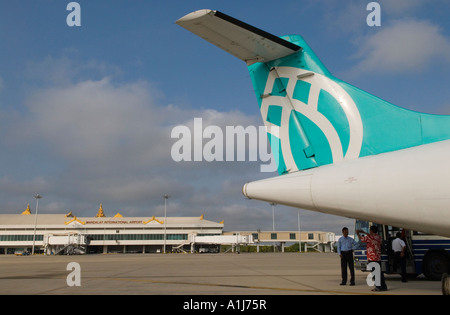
399,248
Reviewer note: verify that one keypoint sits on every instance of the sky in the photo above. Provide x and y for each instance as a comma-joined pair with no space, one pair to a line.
86,113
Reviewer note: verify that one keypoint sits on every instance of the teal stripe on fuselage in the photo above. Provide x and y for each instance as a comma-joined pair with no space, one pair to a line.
388,127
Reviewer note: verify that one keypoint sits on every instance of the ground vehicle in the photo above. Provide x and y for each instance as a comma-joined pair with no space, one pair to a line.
426,253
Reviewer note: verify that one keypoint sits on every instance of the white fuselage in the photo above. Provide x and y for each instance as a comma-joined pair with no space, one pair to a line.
408,188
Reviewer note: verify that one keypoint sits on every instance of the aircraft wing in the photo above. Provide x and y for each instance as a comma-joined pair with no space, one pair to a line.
242,40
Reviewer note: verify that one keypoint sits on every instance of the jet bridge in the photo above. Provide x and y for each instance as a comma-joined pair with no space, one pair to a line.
234,240
210,240
65,244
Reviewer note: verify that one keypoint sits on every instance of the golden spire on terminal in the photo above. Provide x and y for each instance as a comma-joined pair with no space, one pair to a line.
100,213
27,210
74,219
153,219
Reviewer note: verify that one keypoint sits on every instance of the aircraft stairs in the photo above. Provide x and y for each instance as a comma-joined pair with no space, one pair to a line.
70,249
180,248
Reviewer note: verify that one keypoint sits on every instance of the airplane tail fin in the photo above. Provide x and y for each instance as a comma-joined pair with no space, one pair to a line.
313,118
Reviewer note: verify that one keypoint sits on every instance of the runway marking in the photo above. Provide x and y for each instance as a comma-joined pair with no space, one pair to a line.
241,286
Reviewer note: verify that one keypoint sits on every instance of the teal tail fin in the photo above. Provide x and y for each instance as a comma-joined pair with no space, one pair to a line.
312,118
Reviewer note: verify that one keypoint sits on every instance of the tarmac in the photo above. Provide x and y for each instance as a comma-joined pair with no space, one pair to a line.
245,274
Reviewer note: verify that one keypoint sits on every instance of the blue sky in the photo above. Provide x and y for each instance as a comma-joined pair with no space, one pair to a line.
86,112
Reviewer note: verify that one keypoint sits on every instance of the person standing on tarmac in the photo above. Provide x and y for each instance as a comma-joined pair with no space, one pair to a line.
399,248
345,246
373,240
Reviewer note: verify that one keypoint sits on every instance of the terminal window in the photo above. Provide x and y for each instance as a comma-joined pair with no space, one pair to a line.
18,238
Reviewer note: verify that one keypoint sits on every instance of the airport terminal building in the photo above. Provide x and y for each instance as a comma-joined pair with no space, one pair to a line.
53,234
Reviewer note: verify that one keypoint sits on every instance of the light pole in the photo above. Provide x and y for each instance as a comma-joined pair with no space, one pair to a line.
299,234
273,215
165,219
37,197
273,221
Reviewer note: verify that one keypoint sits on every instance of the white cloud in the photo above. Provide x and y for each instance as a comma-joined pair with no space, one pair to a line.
407,46
102,125
64,70
99,141
111,143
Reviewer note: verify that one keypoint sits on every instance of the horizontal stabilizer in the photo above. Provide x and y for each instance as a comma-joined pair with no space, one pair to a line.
242,40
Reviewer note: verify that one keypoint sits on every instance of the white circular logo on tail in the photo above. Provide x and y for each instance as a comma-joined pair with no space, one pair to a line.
306,103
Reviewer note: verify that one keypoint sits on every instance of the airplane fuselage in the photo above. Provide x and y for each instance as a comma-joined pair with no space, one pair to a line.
408,188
